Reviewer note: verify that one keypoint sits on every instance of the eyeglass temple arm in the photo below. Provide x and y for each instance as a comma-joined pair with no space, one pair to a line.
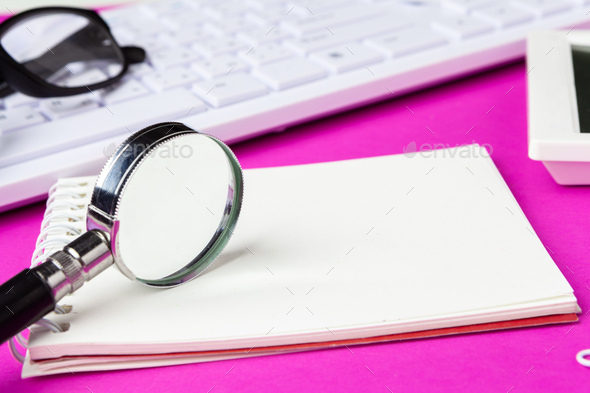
134,54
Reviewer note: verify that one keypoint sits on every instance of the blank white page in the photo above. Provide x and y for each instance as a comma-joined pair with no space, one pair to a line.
333,251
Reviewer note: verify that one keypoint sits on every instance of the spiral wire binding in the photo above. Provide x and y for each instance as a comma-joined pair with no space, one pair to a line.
64,220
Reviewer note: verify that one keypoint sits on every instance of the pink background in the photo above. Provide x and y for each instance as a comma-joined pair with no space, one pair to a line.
521,360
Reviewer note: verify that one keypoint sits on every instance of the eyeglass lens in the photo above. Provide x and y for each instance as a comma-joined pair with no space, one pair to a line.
64,49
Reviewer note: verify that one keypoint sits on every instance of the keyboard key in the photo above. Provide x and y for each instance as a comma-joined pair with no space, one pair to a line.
229,89
122,35
229,25
462,26
346,33
116,17
159,8
123,91
215,46
262,34
504,15
14,119
406,41
18,99
347,57
113,69
262,4
314,42
272,15
467,5
219,66
69,132
139,69
56,108
150,43
185,21
144,26
186,36
173,77
86,78
266,53
172,57
330,19
318,6
224,9
288,73
544,7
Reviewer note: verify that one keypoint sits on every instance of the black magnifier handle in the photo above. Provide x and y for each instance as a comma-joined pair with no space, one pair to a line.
33,293
24,299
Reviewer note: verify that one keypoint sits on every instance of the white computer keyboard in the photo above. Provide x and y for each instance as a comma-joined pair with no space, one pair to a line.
237,69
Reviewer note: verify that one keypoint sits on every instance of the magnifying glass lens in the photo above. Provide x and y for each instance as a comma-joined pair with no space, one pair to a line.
173,205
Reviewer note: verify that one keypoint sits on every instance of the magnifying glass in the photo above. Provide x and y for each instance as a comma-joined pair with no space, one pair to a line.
163,208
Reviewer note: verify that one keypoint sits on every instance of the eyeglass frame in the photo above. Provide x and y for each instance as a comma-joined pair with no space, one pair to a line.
27,82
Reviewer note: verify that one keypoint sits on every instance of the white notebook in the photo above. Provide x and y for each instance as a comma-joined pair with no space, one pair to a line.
324,254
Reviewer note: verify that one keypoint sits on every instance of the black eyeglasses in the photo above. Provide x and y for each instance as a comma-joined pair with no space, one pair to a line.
60,51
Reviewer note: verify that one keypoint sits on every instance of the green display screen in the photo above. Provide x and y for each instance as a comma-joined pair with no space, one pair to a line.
581,60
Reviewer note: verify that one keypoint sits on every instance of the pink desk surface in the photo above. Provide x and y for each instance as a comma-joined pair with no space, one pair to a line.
489,108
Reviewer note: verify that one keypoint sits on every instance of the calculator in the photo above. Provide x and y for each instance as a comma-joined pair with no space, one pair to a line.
558,76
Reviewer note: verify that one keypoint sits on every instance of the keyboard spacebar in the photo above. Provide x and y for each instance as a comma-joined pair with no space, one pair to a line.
47,138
